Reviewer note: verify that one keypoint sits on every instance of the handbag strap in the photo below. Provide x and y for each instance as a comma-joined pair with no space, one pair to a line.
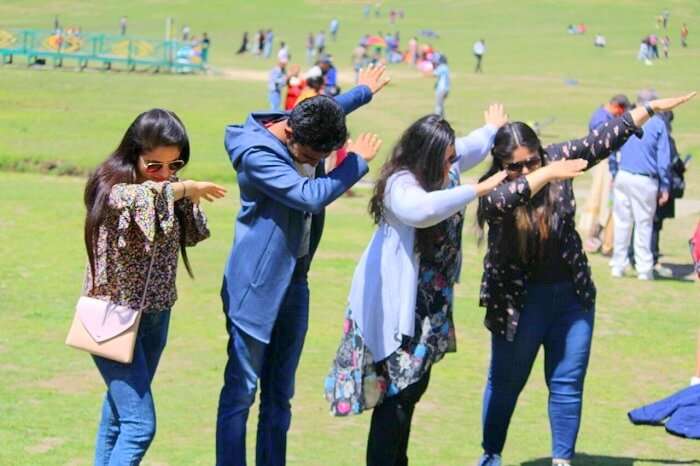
148,276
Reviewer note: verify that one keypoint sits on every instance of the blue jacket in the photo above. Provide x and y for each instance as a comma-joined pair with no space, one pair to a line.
682,410
269,226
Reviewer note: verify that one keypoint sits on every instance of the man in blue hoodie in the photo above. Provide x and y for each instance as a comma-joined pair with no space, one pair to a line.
265,293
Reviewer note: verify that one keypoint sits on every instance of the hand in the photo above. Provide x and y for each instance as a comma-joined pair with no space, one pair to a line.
495,115
373,77
565,169
663,198
197,190
490,183
664,105
366,146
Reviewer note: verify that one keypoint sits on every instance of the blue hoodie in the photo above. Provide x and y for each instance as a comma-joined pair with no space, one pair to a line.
681,411
269,226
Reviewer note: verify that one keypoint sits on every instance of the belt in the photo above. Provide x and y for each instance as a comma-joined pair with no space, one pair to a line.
648,175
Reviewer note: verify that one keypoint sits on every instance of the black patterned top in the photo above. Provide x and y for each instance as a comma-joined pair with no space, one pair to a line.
504,281
139,218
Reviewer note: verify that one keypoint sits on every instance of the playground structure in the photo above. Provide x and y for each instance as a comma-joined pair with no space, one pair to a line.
42,47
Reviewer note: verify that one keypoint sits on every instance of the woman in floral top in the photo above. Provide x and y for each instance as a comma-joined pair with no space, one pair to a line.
137,208
400,305
537,286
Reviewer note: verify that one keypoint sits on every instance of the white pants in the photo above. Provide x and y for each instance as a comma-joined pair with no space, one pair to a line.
635,198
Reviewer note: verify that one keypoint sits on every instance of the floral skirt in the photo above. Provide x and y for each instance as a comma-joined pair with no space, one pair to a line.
353,384
356,383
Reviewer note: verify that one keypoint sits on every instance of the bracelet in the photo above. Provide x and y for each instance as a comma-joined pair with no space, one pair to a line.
650,111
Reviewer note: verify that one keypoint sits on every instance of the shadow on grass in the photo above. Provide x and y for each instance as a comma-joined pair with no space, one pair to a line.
583,459
679,272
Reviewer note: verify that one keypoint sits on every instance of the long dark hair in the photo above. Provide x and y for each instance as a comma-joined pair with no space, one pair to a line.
150,130
421,150
525,233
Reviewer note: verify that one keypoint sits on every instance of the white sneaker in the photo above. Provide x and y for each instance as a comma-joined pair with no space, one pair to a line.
645,276
663,271
489,460
617,273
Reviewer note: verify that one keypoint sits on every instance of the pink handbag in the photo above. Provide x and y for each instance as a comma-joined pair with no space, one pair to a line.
106,329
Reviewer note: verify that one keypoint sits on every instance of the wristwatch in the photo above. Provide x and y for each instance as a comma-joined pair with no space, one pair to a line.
650,111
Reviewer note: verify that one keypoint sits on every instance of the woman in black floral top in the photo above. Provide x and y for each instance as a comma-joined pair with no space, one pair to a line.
136,207
537,286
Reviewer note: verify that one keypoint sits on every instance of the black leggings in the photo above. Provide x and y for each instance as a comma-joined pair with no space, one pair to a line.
391,426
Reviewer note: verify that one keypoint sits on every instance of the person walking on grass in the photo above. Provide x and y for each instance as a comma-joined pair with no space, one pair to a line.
442,85
320,43
684,35
479,50
244,44
284,191
140,218
333,28
276,81
537,286
402,291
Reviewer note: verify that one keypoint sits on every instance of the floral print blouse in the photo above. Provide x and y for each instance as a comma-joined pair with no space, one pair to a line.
434,329
143,218
504,282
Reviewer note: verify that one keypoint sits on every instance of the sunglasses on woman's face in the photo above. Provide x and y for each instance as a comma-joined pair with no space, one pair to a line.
531,163
155,167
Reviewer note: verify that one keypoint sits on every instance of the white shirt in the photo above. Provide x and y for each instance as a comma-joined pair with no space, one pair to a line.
479,48
383,292
283,54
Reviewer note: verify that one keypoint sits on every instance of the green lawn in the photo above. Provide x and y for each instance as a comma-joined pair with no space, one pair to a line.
50,395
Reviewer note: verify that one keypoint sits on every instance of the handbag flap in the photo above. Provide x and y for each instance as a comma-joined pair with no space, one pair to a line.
104,320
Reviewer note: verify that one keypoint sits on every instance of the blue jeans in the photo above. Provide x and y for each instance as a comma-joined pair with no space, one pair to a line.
440,97
274,365
275,99
552,317
128,422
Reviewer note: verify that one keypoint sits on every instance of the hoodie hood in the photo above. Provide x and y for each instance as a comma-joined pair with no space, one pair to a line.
252,135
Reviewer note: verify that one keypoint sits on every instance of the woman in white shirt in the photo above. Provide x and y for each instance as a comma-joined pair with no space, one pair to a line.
400,304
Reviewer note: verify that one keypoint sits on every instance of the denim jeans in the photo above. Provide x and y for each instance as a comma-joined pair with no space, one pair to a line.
440,97
274,365
552,317
275,99
128,422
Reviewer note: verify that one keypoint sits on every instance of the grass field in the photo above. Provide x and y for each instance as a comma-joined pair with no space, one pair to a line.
50,395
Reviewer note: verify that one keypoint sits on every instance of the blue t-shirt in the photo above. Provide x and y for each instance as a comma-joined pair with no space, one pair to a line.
331,77
599,117
650,155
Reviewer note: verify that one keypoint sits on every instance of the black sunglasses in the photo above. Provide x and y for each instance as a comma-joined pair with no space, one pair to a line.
531,164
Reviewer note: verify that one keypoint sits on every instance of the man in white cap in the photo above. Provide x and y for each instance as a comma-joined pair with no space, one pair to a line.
642,181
